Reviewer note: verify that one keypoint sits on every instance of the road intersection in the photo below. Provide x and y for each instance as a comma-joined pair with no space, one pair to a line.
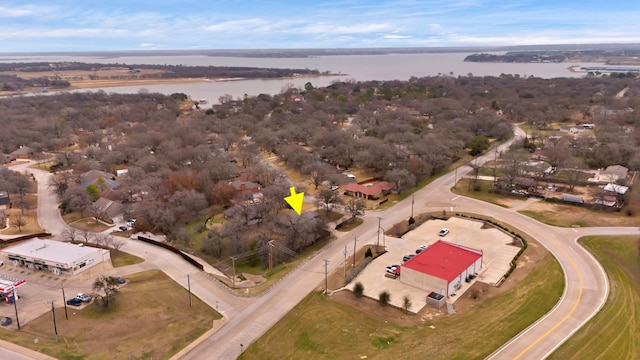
246,319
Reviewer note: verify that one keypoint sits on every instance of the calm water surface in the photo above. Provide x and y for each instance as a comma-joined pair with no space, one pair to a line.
350,67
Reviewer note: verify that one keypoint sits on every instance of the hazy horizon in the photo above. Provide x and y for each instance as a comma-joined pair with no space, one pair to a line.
304,52
37,26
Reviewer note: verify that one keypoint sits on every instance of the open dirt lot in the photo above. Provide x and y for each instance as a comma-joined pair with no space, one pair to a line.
497,248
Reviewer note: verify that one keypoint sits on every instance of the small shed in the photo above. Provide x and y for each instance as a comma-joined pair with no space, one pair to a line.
573,198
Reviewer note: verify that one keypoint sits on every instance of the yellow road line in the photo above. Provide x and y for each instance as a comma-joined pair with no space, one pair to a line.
573,309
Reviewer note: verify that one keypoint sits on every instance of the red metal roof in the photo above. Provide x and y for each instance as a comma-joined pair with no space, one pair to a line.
444,260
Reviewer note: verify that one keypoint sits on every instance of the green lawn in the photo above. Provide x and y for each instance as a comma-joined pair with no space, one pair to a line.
483,191
318,328
612,333
121,258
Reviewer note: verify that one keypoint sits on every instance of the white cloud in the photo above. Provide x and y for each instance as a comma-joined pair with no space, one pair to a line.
15,12
397,37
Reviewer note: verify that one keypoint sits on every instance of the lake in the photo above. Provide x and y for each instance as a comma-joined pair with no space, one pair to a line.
350,67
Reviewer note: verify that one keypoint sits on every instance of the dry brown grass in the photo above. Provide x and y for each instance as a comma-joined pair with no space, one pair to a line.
150,318
31,223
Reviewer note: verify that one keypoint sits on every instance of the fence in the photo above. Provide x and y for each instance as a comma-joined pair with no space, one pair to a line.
186,257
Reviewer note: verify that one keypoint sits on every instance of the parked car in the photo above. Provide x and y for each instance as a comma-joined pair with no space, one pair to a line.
84,297
443,232
408,257
421,249
334,187
6,321
123,228
74,302
119,280
392,269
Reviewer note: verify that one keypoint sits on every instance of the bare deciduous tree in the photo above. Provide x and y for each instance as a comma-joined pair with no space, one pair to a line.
19,221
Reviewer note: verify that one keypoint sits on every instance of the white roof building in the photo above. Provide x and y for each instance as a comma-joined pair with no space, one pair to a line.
55,256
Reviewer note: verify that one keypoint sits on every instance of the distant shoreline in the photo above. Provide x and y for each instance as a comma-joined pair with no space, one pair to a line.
98,84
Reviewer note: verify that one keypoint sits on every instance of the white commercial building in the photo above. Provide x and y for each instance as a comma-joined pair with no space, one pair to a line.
54,256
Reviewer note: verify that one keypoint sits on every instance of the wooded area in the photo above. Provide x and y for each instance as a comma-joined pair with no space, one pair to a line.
186,166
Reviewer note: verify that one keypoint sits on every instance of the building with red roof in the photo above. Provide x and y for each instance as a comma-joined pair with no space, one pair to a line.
370,190
442,267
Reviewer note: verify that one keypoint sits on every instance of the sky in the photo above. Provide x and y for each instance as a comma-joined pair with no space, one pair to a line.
111,25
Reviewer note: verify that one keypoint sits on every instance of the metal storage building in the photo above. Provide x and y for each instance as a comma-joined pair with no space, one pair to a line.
442,267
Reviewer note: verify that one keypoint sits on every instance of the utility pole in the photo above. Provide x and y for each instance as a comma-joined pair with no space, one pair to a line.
355,238
378,241
64,299
55,327
455,177
326,277
270,243
233,266
412,202
189,287
15,307
345,263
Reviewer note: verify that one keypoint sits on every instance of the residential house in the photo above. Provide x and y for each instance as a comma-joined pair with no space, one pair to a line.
92,176
245,187
5,200
615,172
109,208
24,152
369,191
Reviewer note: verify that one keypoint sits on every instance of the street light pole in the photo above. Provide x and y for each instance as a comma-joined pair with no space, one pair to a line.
189,287
326,278
412,202
55,327
345,263
355,238
15,307
64,299
378,241
233,265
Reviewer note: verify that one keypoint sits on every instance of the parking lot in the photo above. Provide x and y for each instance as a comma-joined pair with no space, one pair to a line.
495,244
42,287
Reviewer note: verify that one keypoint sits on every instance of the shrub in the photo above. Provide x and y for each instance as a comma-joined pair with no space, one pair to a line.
384,297
406,303
358,289
412,220
369,253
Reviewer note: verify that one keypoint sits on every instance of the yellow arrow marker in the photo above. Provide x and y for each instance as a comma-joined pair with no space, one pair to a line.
295,200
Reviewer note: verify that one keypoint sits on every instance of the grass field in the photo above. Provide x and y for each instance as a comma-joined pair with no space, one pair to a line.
612,333
150,318
121,258
319,328
464,188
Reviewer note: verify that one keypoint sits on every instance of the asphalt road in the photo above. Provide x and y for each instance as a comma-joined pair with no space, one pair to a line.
249,318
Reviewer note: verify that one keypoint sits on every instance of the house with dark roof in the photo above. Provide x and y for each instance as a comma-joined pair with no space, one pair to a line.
109,208
4,198
442,267
369,191
92,176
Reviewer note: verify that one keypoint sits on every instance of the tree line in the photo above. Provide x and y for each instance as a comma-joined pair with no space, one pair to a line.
182,165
